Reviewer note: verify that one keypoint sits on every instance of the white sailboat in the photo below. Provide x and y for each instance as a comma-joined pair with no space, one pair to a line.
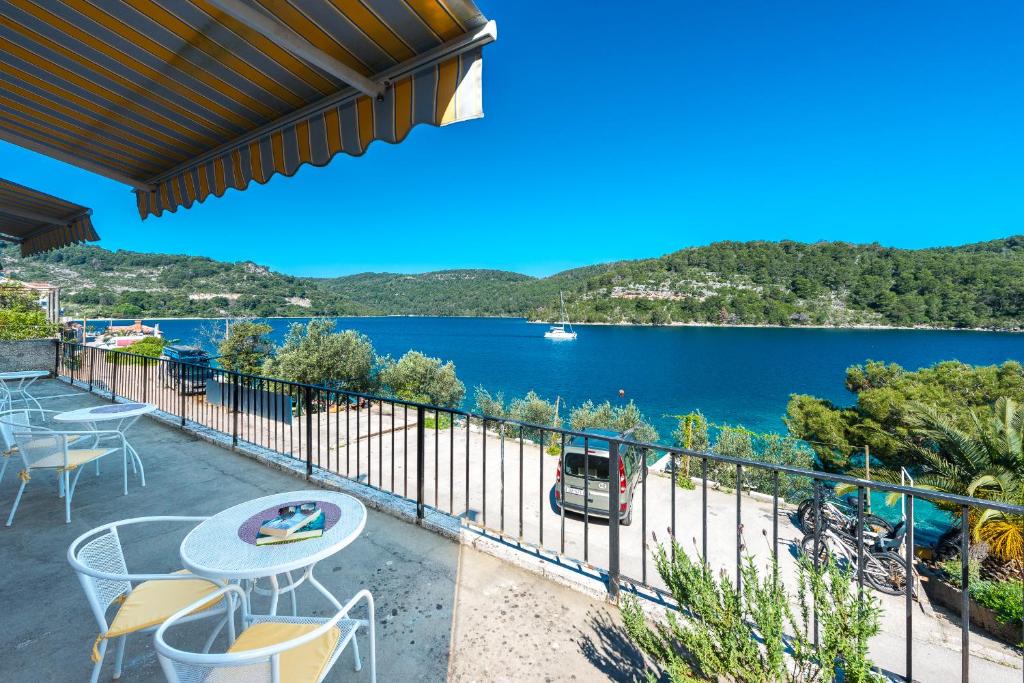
558,331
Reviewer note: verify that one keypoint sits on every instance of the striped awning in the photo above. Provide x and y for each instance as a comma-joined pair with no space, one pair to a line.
186,98
39,222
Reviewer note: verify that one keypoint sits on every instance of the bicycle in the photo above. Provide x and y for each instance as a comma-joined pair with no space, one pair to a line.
882,566
833,513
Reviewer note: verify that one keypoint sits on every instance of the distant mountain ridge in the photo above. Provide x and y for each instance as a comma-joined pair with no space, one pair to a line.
752,283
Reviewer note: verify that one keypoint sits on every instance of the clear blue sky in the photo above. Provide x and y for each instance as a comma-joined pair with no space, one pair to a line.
612,135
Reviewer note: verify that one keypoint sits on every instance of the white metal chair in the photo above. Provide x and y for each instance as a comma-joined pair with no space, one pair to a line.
144,601
45,449
273,648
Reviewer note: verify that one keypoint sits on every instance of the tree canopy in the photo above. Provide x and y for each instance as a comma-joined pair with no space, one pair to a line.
246,347
315,354
886,395
422,379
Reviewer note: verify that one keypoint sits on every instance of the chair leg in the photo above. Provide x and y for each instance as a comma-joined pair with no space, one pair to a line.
99,663
4,468
373,649
17,499
67,497
355,652
124,466
119,656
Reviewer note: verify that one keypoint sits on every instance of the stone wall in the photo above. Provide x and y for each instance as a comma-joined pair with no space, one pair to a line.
28,354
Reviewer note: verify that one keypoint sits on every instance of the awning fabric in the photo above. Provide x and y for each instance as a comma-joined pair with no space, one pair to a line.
183,100
40,222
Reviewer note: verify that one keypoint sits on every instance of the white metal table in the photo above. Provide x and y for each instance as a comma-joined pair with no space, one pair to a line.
14,386
215,549
123,415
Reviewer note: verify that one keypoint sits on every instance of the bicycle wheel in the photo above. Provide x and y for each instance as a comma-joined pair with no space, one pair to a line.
886,572
829,546
803,512
875,524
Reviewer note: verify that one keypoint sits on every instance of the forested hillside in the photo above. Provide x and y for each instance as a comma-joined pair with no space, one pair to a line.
826,283
126,284
777,283
457,292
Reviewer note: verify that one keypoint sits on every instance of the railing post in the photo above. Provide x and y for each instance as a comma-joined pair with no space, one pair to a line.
613,520
309,430
56,359
88,352
234,409
421,458
113,379
180,376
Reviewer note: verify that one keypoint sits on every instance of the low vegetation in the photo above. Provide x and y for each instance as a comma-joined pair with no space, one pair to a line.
21,317
754,633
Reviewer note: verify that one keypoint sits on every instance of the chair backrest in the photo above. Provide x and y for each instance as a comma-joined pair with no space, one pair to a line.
102,554
177,671
41,447
9,421
181,666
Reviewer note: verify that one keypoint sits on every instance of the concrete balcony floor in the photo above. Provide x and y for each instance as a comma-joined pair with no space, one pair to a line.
444,610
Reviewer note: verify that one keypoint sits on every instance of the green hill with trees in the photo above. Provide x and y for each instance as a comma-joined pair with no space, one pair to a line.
127,284
745,283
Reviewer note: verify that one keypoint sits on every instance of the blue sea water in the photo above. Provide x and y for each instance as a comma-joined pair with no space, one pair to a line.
736,376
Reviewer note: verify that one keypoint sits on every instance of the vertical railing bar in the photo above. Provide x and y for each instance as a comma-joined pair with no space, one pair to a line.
540,488
775,524
965,597
817,545
614,507
380,443
586,499
468,435
909,604
451,463
703,509
521,482
561,485
393,447
672,506
860,543
420,460
437,468
739,528
483,506
643,521
501,477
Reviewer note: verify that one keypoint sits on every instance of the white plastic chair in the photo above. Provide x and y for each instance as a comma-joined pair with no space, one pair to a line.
273,648
144,601
45,449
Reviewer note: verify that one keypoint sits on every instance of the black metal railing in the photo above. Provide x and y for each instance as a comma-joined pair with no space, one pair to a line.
396,445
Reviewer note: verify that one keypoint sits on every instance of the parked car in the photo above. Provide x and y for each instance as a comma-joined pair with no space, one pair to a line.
186,368
584,467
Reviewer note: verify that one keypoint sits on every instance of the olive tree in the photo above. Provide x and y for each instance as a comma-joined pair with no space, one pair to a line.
315,354
246,347
420,378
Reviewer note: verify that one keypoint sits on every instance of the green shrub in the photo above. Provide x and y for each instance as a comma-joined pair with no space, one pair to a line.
150,347
1002,597
741,634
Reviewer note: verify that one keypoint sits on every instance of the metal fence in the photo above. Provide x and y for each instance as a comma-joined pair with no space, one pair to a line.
505,477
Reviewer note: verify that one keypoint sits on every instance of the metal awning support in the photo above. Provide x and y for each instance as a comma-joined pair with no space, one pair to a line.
84,164
287,39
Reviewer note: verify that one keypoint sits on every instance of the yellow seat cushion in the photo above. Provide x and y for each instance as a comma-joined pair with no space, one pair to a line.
76,458
304,664
152,602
